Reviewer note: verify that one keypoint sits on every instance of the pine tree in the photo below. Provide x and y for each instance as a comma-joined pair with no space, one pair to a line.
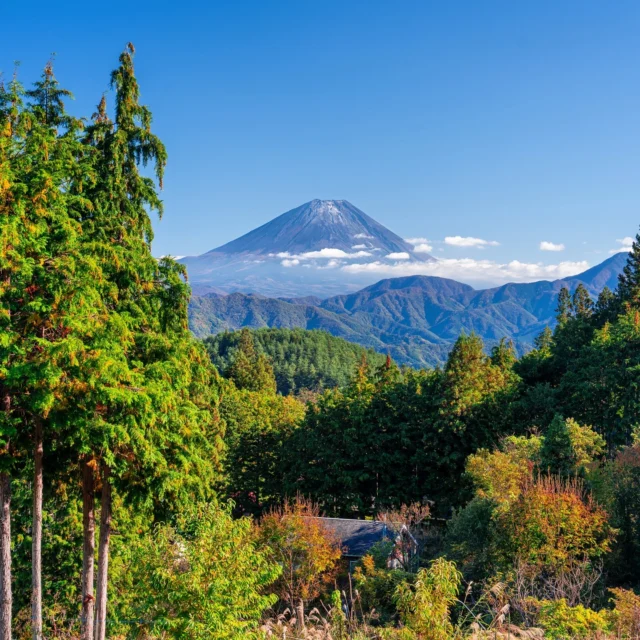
544,341
581,302
606,305
629,280
250,370
564,309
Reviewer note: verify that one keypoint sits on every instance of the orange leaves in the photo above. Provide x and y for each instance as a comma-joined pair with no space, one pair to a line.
308,552
555,523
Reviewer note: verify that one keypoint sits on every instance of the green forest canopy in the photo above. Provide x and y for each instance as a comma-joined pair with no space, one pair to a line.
301,359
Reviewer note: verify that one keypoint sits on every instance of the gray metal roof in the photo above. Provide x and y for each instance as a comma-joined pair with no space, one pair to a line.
357,536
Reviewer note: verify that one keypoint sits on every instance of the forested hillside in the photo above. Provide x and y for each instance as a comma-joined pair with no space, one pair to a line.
301,360
416,319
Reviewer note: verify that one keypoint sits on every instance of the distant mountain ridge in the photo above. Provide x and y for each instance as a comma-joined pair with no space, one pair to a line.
300,252
416,319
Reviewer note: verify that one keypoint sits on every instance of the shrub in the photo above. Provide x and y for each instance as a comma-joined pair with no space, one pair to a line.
500,475
553,524
295,538
377,586
202,579
626,613
562,622
425,606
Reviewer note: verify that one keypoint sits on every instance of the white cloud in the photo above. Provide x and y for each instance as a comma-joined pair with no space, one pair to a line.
290,263
326,253
626,244
470,270
420,245
469,241
398,255
359,246
545,245
363,236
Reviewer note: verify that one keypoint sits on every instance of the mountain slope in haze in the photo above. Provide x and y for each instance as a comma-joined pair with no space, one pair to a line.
416,319
300,253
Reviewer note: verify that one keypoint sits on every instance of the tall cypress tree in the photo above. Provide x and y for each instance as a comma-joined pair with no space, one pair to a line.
10,260
149,429
581,302
48,299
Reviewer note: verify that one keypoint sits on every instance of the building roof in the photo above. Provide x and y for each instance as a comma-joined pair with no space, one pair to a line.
357,536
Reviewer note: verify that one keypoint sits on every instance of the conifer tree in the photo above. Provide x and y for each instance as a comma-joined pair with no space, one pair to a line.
605,304
564,310
581,302
250,370
544,341
10,104
629,280
49,301
148,424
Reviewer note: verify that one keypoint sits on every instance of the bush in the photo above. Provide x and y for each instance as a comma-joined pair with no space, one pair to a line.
425,606
626,613
204,578
377,588
295,538
562,622
552,525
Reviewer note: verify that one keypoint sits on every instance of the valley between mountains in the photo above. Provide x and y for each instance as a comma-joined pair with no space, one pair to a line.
415,319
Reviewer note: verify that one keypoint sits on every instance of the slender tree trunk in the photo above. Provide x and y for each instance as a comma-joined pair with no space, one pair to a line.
5,540
36,545
103,555
88,548
5,556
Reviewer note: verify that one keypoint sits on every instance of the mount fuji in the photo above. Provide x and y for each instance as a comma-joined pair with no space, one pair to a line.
301,252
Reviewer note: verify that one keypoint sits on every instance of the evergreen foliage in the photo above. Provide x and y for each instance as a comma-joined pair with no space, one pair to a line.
301,359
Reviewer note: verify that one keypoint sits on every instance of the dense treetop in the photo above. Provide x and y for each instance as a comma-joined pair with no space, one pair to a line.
311,360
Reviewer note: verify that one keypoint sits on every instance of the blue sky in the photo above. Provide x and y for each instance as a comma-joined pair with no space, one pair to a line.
511,122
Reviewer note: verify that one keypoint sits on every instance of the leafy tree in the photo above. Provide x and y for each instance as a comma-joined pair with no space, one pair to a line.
296,539
204,578
258,427
568,447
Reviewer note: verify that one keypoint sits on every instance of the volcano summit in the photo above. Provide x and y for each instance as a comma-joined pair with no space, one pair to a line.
301,252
